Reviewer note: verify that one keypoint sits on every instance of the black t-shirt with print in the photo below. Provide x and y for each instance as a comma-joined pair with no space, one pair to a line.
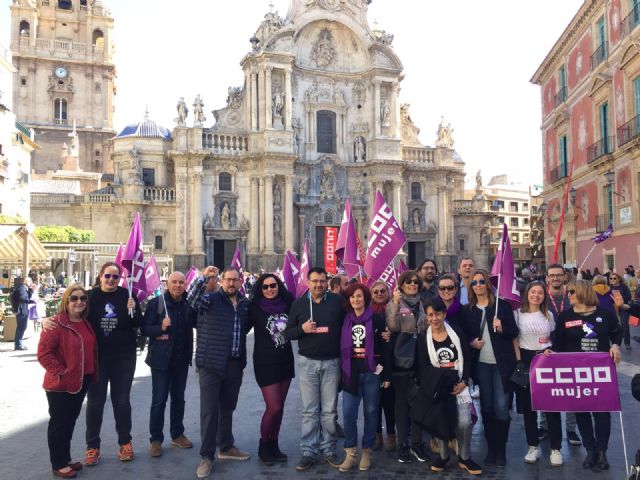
115,329
446,352
593,332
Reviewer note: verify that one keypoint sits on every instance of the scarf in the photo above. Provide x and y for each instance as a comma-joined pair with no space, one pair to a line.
464,396
379,308
454,307
277,305
415,304
346,341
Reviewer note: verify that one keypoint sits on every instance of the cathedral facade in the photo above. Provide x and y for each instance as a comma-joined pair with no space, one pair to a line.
317,120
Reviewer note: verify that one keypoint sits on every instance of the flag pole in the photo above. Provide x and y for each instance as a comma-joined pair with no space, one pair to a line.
587,257
310,306
624,444
497,299
133,263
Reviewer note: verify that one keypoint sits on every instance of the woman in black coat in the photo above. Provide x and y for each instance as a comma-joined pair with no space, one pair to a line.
491,337
272,358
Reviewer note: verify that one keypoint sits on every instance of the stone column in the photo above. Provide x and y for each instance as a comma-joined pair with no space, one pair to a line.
397,201
288,215
376,107
268,213
288,104
181,214
301,239
261,225
442,221
196,212
261,100
254,102
247,97
268,114
395,108
254,227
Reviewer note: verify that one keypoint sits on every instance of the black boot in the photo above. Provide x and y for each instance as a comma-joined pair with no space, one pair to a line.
488,421
590,460
603,463
264,453
502,435
277,455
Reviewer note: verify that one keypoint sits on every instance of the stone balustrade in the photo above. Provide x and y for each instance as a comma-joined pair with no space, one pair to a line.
418,154
469,206
160,194
58,48
52,199
225,143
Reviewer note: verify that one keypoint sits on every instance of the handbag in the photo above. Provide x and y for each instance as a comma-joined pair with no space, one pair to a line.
404,350
520,375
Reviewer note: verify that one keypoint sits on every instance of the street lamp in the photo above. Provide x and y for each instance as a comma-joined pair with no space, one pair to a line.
609,176
572,198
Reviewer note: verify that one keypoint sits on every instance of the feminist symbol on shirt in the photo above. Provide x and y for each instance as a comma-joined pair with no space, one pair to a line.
358,335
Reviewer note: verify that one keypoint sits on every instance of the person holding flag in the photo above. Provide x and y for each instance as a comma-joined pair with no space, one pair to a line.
168,322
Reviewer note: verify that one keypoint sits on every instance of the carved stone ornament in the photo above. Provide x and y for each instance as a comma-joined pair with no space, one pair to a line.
234,98
321,92
327,183
347,6
324,52
445,137
359,92
360,127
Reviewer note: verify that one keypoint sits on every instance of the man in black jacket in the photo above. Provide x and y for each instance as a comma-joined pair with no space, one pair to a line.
20,305
315,320
168,322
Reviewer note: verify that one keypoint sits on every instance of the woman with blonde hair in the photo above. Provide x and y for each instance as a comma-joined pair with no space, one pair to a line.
70,358
587,327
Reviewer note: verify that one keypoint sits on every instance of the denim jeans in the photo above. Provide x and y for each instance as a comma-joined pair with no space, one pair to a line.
319,381
493,398
463,434
369,393
21,327
174,381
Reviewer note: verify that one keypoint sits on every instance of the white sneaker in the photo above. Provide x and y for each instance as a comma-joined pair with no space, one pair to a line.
475,391
556,458
532,455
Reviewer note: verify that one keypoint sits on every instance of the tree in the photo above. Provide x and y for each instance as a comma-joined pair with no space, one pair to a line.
66,234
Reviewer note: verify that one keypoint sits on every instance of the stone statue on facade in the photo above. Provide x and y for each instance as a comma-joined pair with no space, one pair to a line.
297,135
183,111
479,178
198,112
277,107
277,195
416,221
225,216
327,182
323,52
445,137
234,97
384,112
359,149
302,186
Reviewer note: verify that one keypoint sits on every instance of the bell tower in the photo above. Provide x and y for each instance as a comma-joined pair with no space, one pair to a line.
63,53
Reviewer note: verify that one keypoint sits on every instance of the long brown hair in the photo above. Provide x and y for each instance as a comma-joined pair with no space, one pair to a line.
103,268
525,307
471,294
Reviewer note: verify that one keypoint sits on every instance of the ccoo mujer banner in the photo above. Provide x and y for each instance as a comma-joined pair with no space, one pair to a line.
574,382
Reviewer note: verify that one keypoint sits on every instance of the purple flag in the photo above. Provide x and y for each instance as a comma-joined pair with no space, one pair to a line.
118,260
236,262
301,286
191,275
503,272
290,272
151,276
386,239
574,382
342,233
350,253
402,267
601,237
133,246
390,277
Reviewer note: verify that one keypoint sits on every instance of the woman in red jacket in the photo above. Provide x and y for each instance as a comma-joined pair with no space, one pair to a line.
69,356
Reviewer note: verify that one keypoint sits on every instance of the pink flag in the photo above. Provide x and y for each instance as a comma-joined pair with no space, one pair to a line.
124,273
342,233
402,267
350,252
236,262
301,287
386,239
290,272
390,277
151,276
133,247
503,272
191,275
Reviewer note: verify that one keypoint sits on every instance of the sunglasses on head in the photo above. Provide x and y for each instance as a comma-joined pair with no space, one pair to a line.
75,298
267,286
109,276
378,292
413,281
448,288
482,281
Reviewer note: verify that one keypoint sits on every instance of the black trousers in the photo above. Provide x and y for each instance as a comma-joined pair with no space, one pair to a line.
388,406
402,410
218,400
114,371
602,421
64,409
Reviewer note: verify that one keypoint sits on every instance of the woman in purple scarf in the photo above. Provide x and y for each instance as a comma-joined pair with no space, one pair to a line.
365,363
272,359
447,289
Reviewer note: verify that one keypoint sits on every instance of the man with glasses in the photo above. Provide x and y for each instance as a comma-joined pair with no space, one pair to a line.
221,355
557,302
428,272
315,320
466,266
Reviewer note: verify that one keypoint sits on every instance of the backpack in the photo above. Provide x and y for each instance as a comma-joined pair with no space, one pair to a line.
15,300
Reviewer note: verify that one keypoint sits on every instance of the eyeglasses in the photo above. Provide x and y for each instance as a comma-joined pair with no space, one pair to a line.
482,281
75,298
613,278
267,286
415,281
231,279
448,288
571,291
379,292
109,276
555,275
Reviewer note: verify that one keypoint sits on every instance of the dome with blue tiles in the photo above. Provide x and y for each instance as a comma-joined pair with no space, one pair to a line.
147,128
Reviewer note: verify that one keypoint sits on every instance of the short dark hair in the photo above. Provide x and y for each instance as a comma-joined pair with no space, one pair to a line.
335,280
555,265
353,288
436,304
231,269
319,270
428,260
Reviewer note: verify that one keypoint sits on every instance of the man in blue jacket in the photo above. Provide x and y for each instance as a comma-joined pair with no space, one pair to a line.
169,322
221,355
20,305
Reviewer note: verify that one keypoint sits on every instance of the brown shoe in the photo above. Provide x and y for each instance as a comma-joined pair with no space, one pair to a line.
182,442
71,473
155,449
390,444
233,454
378,445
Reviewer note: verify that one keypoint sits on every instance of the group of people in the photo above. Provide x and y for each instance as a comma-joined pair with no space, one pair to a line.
409,356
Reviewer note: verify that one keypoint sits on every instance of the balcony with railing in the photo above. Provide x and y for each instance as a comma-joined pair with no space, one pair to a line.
160,194
58,48
560,97
603,221
470,206
602,147
418,155
225,143
599,55
59,121
629,131
558,173
630,22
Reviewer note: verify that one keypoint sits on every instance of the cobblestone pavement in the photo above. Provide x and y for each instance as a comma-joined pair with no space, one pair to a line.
24,453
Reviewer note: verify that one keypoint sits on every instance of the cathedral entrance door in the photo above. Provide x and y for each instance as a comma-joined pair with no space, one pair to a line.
223,252
416,254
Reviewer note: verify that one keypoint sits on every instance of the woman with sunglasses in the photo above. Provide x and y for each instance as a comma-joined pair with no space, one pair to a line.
447,290
617,284
491,335
536,324
272,359
405,314
69,355
379,299
587,327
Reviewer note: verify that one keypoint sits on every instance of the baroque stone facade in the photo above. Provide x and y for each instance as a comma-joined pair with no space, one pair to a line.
317,120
